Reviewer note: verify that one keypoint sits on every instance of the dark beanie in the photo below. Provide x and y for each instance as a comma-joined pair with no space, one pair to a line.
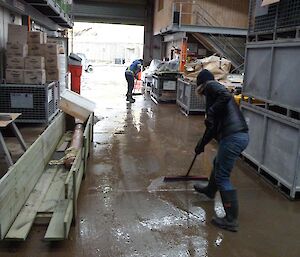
203,76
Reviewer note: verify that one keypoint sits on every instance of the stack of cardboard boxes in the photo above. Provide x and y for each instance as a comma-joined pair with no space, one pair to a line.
52,61
35,72
30,59
17,50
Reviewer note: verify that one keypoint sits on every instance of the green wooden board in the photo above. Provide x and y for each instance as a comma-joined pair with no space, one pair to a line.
21,178
22,225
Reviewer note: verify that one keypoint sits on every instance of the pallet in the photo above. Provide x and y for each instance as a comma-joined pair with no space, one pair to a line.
158,100
190,112
271,180
292,33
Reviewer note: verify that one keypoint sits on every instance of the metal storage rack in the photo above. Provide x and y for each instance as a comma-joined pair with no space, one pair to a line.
274,147
279,83
164,87
37,103
280,17
187,98
148,82
47,13
53,10
274,125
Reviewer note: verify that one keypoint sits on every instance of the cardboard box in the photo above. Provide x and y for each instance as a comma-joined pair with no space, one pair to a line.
14,76
52,74
45,37
34,62
15,62
16,49
34,77
17,34
36,37
52,62
51,40
51,49
36,50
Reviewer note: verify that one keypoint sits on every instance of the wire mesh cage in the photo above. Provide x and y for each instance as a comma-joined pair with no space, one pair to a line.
164,87
37,103
187,98
284,15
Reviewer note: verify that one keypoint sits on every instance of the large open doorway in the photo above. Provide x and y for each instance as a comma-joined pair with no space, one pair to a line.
106,50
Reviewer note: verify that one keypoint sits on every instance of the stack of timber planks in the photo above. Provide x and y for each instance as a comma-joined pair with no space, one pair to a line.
32,191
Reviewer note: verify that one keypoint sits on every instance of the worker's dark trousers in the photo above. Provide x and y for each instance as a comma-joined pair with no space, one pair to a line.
229,150
130,81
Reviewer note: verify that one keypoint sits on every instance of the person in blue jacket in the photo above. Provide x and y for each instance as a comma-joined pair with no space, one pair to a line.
132,72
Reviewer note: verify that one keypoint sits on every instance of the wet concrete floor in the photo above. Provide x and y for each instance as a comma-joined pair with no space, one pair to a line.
125,209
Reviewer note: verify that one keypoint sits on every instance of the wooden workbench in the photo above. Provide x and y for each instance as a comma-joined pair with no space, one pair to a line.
3,124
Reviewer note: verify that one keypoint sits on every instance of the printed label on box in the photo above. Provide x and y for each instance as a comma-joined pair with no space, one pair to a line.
21,100
15,62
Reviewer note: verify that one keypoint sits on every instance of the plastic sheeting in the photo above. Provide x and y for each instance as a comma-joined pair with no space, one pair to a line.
219,66
158,66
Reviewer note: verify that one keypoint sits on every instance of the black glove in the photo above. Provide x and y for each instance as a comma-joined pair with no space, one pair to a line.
199,147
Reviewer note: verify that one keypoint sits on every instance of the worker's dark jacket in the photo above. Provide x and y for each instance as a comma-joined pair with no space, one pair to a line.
223,116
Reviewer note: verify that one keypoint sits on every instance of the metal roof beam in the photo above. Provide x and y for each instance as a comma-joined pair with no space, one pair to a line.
206,30
112,13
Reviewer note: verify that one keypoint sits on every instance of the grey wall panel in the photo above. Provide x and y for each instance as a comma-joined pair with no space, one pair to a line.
109,12
258,66
274,145
281,150
272,73
285,87
256,127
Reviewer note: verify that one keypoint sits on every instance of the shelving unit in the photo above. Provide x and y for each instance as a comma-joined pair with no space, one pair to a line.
45,12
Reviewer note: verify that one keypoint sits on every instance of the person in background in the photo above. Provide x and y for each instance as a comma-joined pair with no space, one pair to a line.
225,122
130,74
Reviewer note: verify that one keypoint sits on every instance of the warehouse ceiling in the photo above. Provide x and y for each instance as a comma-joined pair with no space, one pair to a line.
131,12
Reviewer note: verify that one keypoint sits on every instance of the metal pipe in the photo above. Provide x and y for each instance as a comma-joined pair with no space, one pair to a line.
76,144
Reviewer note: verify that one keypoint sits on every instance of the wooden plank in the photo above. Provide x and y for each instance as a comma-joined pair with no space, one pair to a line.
43,218
68,219
64,142
22,225
56,228
75,167
4,123
268,2
79,180
18,182
88,138
55,192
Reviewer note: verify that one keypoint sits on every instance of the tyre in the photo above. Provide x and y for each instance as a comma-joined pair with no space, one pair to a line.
89,68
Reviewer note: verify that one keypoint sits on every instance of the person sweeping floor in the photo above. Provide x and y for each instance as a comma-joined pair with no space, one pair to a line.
224,122
130,73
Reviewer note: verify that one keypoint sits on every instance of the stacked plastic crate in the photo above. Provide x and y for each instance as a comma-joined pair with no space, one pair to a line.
272,77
